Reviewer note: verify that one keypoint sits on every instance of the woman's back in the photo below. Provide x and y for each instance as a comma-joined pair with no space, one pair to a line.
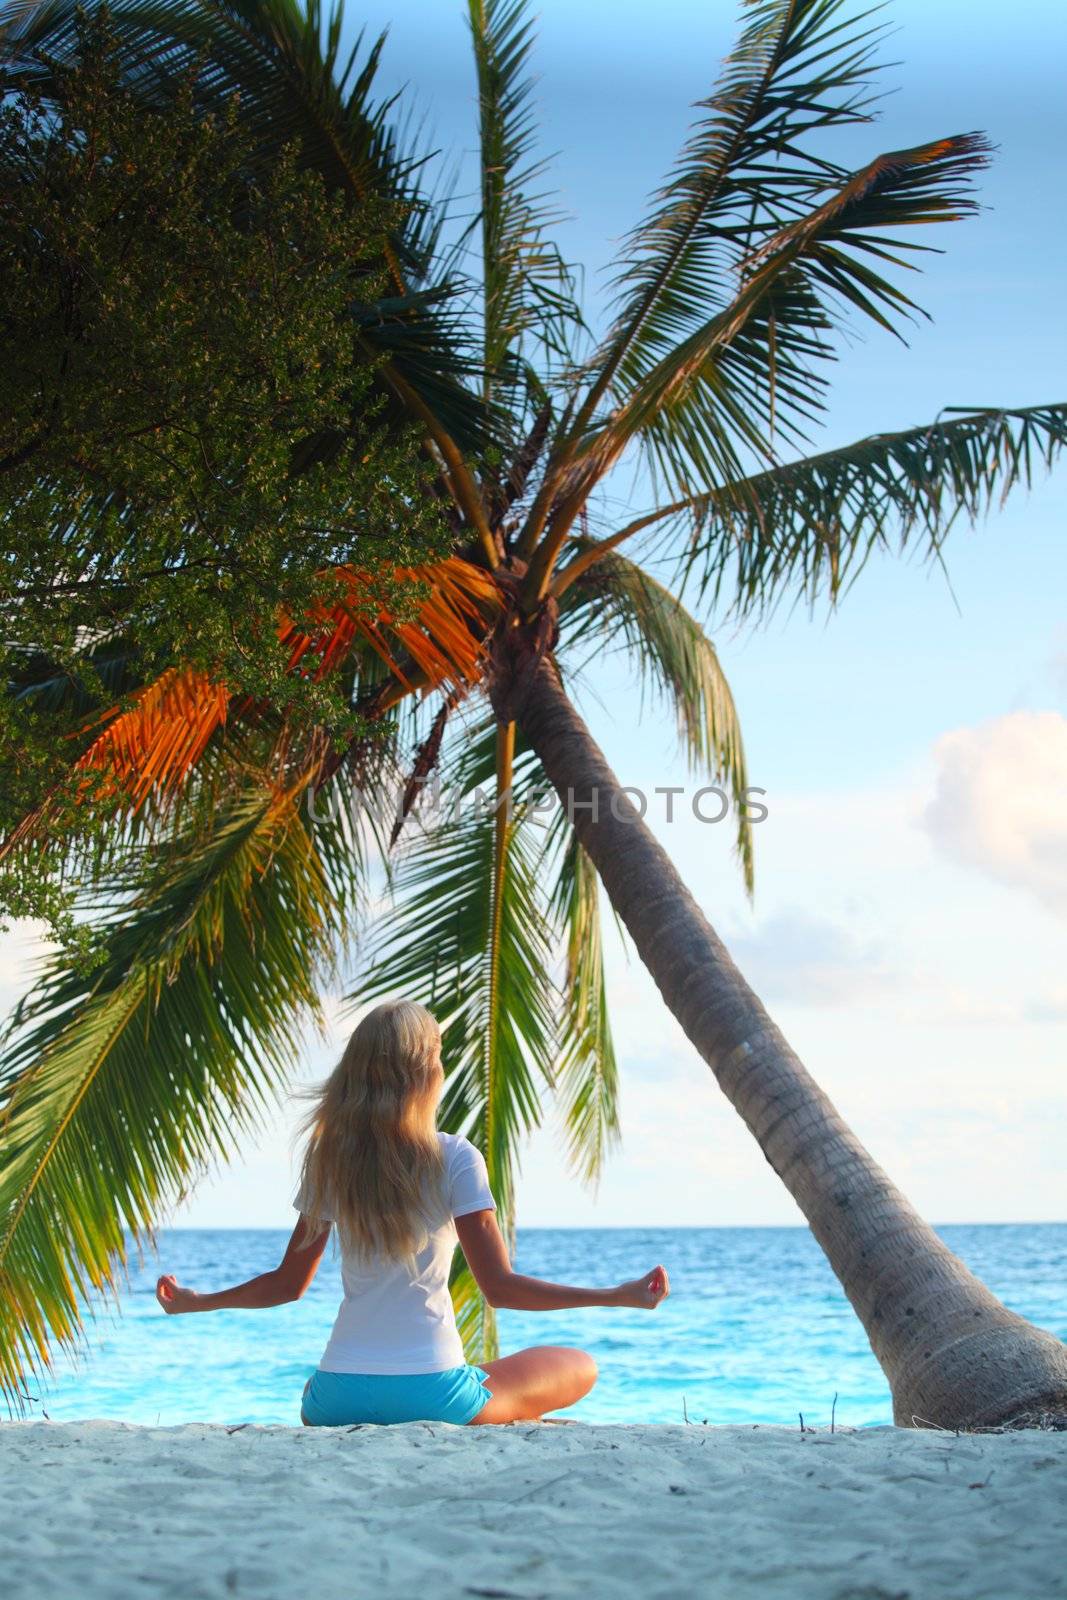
376,1156
397,1320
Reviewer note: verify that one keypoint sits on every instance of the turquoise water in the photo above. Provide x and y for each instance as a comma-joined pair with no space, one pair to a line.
756,1329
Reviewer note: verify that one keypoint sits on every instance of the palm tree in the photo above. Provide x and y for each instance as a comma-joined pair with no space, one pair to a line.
712,371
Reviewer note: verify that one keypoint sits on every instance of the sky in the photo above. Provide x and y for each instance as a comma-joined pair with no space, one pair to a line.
908,928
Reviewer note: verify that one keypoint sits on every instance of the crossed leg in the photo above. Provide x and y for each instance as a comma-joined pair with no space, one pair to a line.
546,1377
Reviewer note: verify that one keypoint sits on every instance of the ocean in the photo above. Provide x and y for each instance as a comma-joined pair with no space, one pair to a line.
756,1329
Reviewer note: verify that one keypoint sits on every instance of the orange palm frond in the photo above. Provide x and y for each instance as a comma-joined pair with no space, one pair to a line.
445,641
160,738
153,744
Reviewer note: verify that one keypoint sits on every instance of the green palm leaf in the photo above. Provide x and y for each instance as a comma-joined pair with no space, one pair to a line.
115,1091
616,600
527,290
800,67
587,1075
809,526
491,990
745,373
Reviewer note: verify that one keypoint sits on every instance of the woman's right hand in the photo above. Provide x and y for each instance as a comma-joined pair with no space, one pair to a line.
645,1293
173,1297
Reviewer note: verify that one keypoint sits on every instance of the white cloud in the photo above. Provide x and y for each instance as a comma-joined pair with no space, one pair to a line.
1048,1007
1000,802
955,1004
1057,665
1059,674
802,959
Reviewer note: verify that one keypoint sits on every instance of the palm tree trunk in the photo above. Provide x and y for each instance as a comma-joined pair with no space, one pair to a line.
954,1355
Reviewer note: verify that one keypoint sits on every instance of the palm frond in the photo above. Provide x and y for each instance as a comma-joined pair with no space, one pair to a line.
435,945
745,374
617,600
117,1089
455,606
587,1075
54,690
155,744
800,67
146,750
809,527
527,290
475,1318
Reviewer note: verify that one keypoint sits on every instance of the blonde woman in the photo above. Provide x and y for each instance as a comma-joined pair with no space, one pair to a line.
400,1195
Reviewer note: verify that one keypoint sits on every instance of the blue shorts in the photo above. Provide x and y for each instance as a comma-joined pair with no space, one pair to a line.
331,1399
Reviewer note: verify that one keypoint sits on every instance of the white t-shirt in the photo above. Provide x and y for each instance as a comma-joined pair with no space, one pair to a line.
391,1321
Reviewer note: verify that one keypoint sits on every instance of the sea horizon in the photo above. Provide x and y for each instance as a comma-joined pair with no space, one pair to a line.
632,1227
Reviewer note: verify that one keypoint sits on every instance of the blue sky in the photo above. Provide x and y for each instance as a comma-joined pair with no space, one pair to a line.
908,929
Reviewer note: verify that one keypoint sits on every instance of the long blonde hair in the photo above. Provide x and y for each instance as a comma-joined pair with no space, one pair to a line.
373,1161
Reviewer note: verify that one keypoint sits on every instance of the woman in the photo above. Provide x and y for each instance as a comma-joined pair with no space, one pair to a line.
400,1194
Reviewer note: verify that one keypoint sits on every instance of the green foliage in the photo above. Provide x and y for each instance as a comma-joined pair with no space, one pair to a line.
190,439
281,70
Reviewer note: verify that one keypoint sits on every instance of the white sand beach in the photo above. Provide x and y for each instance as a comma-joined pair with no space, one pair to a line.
105,1509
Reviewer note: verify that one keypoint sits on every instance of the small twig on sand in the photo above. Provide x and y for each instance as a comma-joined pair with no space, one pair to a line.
833,1409
238,1428
685,1413
534,1487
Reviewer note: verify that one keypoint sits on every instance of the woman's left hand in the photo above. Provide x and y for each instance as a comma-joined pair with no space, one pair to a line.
172,1297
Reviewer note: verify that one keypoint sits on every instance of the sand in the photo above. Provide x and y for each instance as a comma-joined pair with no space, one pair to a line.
430,1512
